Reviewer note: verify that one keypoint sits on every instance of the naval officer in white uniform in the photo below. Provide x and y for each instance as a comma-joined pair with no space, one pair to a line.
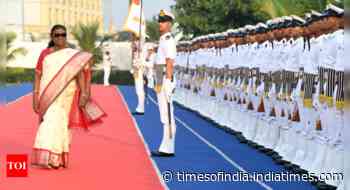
165,84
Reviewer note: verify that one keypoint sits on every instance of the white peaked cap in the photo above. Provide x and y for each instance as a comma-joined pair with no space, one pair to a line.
335,8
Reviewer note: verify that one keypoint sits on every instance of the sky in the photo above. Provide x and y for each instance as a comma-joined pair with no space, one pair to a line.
120,10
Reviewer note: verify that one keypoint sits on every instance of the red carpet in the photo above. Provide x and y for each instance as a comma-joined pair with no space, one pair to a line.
111,156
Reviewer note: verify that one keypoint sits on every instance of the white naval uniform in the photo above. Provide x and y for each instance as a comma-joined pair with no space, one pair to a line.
149,65
166,50
139,62
346,133
107,64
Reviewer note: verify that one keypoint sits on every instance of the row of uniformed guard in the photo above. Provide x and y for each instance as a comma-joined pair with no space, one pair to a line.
277,86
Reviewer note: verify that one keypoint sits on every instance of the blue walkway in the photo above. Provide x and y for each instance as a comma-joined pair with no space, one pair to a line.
195,155
200,148
14,91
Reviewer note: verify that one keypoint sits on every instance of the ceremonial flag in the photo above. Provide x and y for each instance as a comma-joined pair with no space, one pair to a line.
135,22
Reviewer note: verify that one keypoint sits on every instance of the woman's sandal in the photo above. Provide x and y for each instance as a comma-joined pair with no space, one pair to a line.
51,166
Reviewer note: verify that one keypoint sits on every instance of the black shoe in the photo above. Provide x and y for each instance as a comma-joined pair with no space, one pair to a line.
300,171
138,113
271,153
276,157
291,166
237,133
242,140
161,154
262,149
285,163
281,161
315,181
240,136
255,145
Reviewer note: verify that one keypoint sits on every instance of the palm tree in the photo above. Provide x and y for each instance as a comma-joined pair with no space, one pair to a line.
2,49
87,36
7,52
12,53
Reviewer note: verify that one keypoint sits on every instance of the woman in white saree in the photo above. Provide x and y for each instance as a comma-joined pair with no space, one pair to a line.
62,100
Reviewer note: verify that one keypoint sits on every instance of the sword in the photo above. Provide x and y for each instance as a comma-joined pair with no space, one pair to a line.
145,87
169,120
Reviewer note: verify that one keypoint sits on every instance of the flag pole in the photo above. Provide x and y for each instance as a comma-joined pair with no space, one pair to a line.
140,27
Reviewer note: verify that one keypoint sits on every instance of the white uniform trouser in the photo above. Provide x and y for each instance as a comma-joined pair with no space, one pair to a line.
168,144
346,139
107,72
150,79
346,181
139,87
345,184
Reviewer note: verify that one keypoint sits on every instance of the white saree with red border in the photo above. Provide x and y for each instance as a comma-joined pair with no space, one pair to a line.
58,107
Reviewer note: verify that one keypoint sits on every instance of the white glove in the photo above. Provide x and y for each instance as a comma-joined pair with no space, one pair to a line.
137,63
149,65
316,103
169,88
260,90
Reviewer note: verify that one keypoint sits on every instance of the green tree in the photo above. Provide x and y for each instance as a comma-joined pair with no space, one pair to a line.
199,17
13,52
277,8
87,37
346,3
152,28
2,49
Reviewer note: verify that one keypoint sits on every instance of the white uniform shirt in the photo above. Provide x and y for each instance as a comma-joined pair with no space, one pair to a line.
339,37
329,53
107,61
295,50
166,49
263,60
150,61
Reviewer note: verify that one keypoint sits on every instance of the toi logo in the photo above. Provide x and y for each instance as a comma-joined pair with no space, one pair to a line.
16,165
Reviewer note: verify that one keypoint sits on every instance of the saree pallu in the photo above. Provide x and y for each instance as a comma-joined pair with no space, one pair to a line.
58,107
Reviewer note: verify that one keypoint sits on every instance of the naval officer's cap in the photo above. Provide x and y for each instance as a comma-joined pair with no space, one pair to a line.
229,32
261,28
241,32
232,33
332,10
211,37
220,36
223,36
278,23
204,39
286,22
313,16
250,29
297,21
273,23
165,16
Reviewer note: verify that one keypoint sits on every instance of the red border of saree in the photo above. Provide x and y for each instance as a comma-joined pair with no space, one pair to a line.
60,81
